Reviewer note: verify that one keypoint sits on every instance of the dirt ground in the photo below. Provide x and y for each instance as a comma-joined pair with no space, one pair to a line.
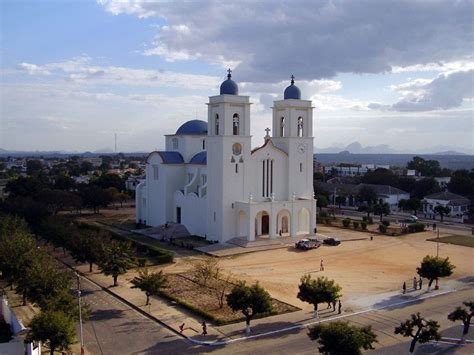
361,267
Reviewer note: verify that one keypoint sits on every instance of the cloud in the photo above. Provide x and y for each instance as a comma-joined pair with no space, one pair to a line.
311,39
32,69
445,92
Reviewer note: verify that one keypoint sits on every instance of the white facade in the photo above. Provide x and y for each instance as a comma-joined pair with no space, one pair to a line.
210,180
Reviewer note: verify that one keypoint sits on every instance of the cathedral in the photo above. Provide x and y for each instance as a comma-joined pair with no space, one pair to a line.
210,180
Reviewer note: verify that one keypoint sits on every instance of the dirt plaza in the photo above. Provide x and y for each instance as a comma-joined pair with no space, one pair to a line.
363,267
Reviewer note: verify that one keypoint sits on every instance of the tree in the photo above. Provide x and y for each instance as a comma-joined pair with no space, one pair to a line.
382,209
424,187
367,194
341,338
425,167
442,211
434,267
33,166
95,197
250,300
462,182
464,315
150,283
321,201
209,274
110,180
64,182
25,186
86,246
414,204
320,290
368,208
56,329
380,176
116,258
340,200
54,200
86,166
419,329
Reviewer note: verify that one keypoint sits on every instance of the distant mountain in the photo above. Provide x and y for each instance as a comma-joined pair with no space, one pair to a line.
449,152
357,148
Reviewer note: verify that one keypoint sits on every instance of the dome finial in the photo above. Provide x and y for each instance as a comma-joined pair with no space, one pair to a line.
292,79
229,73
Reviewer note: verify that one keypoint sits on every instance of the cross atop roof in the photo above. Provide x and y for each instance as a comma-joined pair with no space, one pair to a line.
292,79
229,73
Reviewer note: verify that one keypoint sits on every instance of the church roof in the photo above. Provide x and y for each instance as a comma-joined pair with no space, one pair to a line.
454,199
199,158
265,144
171,157
193,127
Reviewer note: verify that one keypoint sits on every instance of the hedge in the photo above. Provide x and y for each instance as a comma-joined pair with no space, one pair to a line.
355,224
346,222
416,227
363,225
382,228
386,223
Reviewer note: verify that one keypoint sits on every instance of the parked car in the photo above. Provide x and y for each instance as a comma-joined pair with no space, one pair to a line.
306,244
331,241
413,218
316,240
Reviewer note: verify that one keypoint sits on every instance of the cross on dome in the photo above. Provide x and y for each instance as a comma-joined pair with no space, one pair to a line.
229,73
267,130
292,79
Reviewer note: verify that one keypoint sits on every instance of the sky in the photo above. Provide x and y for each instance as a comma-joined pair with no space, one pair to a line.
392,73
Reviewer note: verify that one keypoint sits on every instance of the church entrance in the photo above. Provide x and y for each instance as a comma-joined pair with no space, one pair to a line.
178,215
265,224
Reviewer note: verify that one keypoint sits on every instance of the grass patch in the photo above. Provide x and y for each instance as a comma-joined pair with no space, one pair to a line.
464,240
184,291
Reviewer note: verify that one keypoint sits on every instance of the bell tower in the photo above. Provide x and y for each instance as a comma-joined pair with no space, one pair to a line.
228,158
293,132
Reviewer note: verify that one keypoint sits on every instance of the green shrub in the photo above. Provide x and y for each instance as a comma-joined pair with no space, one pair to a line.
160,255
328,220
386,223
416,227
363,225
141,262
346,222
355,224
382,228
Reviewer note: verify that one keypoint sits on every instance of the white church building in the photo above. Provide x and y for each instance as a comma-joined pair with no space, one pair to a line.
210,180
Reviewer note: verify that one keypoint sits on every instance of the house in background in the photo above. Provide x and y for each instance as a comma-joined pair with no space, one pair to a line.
458,204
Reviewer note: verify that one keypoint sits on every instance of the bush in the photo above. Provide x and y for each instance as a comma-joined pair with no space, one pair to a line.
416,227
370,220
328,220
355,224
382,228
141,262
363,225
346,222
323,214
386,223
160,255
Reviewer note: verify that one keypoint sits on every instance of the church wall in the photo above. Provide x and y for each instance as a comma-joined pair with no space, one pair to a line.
174,180
155,188
188,145
193,212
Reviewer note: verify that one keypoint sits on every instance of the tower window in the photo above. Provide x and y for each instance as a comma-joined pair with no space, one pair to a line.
236,168
236,125
282,127
301,167
300,126
155,172
216,128
203,144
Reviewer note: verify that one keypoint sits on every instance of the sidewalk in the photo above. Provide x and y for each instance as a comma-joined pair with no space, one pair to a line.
172,315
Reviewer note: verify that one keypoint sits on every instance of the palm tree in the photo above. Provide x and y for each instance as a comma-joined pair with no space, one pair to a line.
150,283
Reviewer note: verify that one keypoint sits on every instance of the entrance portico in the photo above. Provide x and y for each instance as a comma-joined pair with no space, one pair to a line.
275,218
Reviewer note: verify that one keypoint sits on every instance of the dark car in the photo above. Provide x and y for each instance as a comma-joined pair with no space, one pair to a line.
331,241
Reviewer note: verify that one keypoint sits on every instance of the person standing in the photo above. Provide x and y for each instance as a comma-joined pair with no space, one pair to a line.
339,307
415,283
321,265
404,287
420,283
334,305
204,328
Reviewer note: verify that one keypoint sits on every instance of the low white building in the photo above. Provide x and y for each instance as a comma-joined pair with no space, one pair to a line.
356,170
211,180
458,204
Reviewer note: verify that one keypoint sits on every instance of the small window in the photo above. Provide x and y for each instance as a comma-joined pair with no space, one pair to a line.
236,168
301,167
203,144
204,179
216,128
175,143
214,216
155,172
282,127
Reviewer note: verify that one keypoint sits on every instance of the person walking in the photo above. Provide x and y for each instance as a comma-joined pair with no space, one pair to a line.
339,307
321,265
204,328
415,283
420,283
181,328
404,287
334,305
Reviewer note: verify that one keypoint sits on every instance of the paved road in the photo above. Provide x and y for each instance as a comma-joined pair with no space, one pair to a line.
115,328
383,322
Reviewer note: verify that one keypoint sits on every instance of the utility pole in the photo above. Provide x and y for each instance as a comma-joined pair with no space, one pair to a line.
80,311
115,143
437,254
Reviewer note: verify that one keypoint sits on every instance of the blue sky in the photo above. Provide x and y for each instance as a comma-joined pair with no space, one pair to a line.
396,73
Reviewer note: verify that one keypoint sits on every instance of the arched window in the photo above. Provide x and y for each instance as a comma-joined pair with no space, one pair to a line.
235,125
300,126
217,125
203,144
282,127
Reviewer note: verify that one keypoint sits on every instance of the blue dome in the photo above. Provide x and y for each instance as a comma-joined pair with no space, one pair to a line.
292,91
193,127
199,158
229,86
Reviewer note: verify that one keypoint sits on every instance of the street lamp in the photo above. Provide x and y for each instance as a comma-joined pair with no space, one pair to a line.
80,311
437,255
